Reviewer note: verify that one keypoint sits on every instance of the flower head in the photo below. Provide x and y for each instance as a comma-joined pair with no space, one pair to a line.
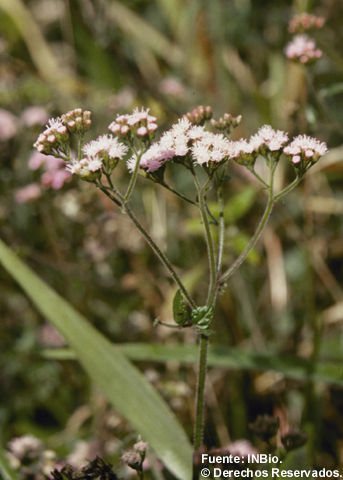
139,121
303,49
105,146
89,168
304,151
305,21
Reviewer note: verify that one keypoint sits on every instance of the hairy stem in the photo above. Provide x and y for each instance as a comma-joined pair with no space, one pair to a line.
204,341
200,394
258,232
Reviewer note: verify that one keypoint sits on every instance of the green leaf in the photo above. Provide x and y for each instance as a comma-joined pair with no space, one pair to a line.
5,469
202,317
296,368
125,387
181,310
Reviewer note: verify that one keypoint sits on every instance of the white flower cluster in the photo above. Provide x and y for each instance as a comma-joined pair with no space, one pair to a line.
266,139
305,150
183,138
104,151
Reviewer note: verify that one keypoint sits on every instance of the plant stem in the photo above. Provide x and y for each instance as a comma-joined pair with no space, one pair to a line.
208,237
200,394
133,178
253,240
204,341
288,189
221,230
180,195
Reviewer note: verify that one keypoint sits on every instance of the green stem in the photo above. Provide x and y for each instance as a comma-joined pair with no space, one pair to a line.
259,178
133,178
208,237
200,394
258,232
180,195
287,189
204,340
221,230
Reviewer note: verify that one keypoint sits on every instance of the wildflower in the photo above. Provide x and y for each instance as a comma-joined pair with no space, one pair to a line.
8,125
304,151
152,159
25,446
106,148
34,116
139,121
305,21
265,140
77,120
54,137
303,49
199,115
89,168
270,139
28,193
227,122
210,148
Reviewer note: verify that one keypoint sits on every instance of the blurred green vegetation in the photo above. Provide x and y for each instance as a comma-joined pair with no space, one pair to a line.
171,55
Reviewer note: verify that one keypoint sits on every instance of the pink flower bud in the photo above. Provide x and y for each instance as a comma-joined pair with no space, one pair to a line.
152,127
124,129
296,159
142,131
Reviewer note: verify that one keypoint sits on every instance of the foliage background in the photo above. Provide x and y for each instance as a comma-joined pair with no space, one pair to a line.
172,55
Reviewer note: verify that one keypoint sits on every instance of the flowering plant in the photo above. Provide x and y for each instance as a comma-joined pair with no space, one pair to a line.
201,145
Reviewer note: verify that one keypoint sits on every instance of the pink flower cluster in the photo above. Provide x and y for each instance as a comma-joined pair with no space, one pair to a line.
54,176
303,49
105,151
304,22
139,122
265,140
56,134
304,150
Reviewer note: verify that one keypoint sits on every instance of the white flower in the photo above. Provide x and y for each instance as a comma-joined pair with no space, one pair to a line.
105,145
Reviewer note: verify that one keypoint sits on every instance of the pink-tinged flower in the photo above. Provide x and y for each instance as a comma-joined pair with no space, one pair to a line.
152,159
304,22
55,178
303,151
32,116
105,146
8,125
265,140
211,148
272,139
134,123
37,160
28,193
25,446
89,168
303,49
